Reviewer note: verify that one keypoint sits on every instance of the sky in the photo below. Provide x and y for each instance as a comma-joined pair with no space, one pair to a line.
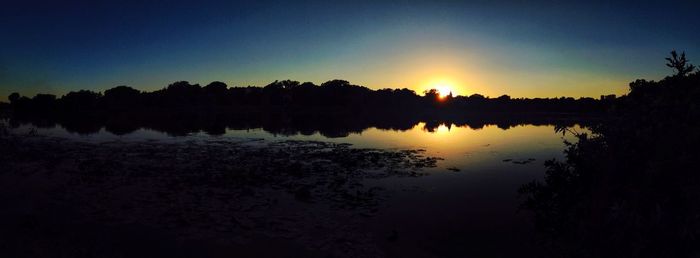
519,48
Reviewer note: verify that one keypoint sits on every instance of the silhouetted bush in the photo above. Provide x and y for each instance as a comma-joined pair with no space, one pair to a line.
13,97
632,187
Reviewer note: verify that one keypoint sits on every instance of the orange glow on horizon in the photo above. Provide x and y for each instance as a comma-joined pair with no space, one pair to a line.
443,91
444,88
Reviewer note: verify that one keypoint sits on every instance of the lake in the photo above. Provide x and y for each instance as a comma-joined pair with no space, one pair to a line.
467,204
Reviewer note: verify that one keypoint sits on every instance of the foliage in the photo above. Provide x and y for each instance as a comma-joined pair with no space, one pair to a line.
679,63
335,108
631,189
338,95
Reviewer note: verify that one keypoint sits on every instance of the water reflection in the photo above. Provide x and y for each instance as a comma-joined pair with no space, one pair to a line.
326,126
461,146
468,201
329,126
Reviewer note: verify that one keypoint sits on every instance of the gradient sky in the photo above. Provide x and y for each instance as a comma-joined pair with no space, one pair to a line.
520,48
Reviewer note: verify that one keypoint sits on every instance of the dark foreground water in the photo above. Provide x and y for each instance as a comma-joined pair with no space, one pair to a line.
465,206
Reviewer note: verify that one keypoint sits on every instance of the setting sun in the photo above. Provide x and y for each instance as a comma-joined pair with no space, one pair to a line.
443,90
378,128
444,87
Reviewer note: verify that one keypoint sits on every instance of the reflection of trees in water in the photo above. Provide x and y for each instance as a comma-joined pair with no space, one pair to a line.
328,125
334,108
632,188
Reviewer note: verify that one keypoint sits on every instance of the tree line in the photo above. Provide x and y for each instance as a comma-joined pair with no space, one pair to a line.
289,96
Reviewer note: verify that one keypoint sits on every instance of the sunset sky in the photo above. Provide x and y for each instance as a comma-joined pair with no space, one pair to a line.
520,48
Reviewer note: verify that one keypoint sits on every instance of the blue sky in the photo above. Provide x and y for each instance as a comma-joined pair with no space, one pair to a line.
520,48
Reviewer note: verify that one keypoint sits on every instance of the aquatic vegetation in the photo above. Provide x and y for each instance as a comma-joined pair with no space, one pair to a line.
214,187
520,162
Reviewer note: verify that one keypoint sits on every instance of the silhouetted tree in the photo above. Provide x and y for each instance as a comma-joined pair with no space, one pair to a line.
679,63
431,94
44,99
215,87
629,188
289,84
80,99
121,97
216,94
503,98
122,93
477,96
13,97
335,84
182,93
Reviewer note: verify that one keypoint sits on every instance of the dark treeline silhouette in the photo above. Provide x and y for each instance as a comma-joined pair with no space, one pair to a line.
335,108
632,187
336,96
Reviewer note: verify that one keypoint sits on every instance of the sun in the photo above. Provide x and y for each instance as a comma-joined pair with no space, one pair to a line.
444,90
442,86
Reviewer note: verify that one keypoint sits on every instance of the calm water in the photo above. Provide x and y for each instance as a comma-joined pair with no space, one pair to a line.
472,210
463,148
